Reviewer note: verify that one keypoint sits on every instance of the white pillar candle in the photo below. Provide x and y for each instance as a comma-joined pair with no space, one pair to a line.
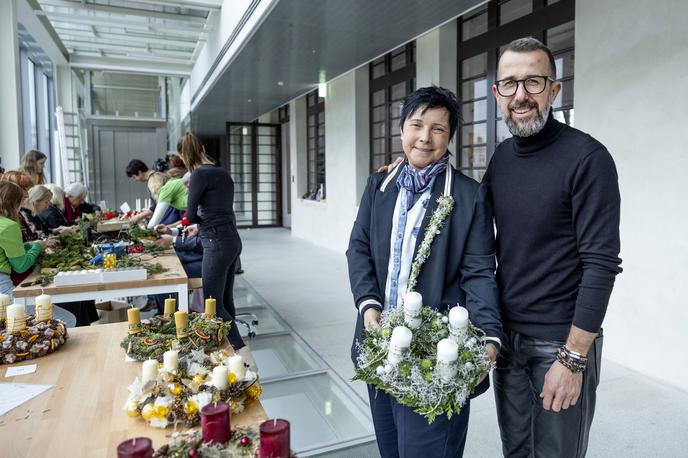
447,354
44,308
458,318
170,360
4,302
138,205
413,302
399,344
16,317
149,370
235,364
220,378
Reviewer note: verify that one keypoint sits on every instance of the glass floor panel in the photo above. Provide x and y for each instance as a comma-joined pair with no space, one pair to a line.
267,322
277,356
244,295
367,450
319,411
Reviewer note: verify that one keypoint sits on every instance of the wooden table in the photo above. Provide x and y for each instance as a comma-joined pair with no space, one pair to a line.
174,280
82,415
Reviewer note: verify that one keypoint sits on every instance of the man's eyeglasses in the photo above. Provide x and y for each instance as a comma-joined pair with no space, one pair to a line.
533,85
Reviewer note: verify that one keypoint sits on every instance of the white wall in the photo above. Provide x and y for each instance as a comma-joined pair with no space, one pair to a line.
221,25
328,223
631,72
10,95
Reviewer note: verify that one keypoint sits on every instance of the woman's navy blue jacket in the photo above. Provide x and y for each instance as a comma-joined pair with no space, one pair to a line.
460,268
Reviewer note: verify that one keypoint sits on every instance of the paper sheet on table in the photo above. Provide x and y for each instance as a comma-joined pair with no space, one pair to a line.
15,394
20,370
125,207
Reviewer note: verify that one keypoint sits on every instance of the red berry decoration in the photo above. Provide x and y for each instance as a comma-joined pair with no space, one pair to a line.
192,453
245,441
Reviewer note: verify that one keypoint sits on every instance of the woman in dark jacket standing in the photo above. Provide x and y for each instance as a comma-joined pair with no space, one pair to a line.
210,205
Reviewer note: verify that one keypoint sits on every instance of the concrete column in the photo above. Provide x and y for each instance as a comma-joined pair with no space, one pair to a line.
362,130
436,61
436,57
297,148
11,130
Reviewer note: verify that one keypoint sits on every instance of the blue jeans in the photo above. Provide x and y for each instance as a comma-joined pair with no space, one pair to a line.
6,286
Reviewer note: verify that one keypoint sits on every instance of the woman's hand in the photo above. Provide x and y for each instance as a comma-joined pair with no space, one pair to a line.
191,231
371,319
65,230
162,229
165,241
52,243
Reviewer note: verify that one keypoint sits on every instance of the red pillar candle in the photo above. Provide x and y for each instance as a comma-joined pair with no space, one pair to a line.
138,447
274,439
215,422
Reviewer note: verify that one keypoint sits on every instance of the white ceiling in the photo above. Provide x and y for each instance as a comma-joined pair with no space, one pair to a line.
304,42
157,36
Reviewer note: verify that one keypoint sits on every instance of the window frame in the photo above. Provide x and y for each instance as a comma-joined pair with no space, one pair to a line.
542,18
315,155
385,82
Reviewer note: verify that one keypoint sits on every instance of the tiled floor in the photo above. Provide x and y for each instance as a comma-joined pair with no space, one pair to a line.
307,286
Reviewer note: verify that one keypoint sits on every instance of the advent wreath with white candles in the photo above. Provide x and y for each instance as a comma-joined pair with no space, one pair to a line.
175,392
427,360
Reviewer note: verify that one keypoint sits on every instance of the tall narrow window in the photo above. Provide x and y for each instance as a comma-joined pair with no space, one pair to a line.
481,34
392,77
315,113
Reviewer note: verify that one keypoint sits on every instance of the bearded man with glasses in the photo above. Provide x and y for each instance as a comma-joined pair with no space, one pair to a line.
555,196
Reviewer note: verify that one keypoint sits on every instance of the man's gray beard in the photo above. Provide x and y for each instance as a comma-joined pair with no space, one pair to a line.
529,128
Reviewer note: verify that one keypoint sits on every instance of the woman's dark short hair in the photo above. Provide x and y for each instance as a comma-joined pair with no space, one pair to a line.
431,97
135,167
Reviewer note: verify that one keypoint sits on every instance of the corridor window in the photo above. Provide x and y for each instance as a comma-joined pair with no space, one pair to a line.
392,77
481,127
315,113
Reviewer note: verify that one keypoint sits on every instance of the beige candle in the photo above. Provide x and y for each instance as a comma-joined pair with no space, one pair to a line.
149,370
4,302
134,317
170,305
210,307
170,360
181,320
16,318
44,308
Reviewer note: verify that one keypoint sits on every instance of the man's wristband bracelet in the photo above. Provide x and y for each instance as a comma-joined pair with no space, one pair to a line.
573,361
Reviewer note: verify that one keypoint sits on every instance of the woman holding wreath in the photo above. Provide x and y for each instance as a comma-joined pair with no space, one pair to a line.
393,215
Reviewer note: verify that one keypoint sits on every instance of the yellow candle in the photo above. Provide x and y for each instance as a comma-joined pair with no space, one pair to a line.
44,308
181,320
134,317
210,307
170,305
16,318
4,302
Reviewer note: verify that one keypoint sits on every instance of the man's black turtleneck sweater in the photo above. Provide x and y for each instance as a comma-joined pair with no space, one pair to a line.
556,202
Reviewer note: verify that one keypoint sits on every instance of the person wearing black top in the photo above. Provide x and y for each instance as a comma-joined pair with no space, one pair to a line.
555,196
210,205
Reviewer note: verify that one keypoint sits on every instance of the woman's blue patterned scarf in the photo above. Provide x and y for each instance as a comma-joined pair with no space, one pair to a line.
417,181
